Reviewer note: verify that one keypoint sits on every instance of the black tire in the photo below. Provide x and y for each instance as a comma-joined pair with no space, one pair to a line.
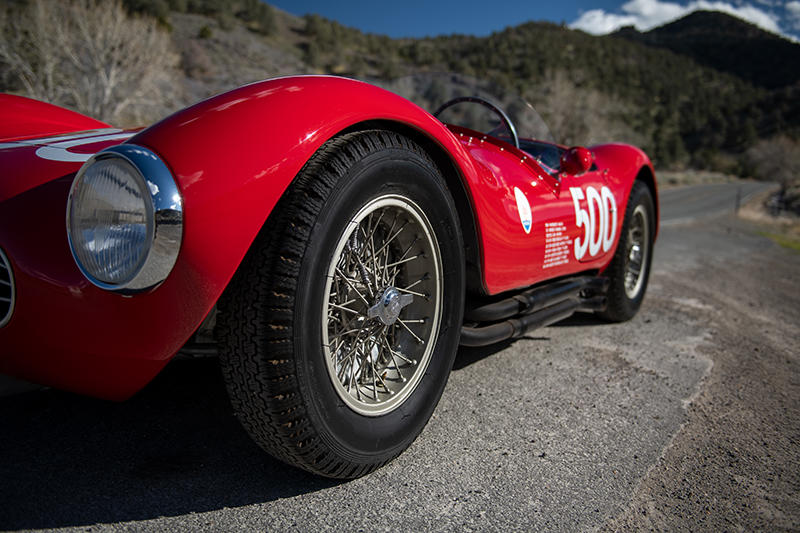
270,328
624,297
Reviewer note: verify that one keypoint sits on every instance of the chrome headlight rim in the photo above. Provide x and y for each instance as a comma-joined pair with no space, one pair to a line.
164,204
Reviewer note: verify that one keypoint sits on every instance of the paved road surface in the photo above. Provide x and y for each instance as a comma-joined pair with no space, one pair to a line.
685,418
701,202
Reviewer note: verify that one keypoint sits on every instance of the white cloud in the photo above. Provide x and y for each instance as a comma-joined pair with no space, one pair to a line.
598,22
793,14
647,14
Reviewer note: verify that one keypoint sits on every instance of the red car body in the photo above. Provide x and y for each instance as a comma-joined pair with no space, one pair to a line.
233,156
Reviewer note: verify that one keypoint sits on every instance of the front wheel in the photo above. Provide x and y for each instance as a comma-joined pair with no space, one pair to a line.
339,330
629,270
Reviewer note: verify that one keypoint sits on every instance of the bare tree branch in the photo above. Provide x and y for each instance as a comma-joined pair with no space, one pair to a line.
87,54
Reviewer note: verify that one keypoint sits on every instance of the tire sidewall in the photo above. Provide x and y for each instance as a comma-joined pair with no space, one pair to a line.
640,195
358,437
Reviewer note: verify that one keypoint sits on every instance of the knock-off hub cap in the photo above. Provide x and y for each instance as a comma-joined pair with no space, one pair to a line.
389,305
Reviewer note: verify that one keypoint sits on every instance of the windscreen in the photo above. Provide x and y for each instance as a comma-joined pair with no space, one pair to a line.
431,90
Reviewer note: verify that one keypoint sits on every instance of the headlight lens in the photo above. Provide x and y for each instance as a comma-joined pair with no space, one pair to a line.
111,220
125,219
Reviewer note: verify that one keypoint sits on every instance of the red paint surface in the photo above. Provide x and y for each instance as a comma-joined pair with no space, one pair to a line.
576,160
233,156
513,258
24,118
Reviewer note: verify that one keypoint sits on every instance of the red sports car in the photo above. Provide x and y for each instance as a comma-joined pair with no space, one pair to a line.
333,242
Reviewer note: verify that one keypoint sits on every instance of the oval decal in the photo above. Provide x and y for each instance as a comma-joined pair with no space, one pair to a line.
524,210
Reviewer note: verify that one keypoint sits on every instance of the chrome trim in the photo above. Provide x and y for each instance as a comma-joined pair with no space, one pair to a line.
5,265
166,205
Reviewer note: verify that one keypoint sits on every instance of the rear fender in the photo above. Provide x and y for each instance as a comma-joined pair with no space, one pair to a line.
626,164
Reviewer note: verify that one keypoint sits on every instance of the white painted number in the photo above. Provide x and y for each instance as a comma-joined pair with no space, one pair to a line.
60,151
610,208
581,219
598,219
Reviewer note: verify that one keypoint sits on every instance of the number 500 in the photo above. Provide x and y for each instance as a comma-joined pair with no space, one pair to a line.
599,220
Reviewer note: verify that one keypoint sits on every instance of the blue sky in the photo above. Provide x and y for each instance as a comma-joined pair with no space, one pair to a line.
418,18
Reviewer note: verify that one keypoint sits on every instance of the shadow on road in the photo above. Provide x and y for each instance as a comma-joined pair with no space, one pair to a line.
174,448
581,319
467,356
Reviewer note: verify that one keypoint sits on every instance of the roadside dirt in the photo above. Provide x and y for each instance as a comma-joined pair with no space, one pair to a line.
733,465
775,227
669,179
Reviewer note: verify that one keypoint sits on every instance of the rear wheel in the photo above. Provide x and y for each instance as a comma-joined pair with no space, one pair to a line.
339,330
629,270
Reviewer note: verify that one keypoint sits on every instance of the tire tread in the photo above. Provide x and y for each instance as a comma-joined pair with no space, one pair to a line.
255,327
620,308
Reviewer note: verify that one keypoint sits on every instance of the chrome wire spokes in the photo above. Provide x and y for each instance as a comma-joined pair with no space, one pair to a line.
382,305
637,252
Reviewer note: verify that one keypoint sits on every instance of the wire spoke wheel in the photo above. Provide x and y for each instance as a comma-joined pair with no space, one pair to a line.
340,328
382,306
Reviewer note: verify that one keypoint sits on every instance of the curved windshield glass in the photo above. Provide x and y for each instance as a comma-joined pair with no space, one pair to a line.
431,90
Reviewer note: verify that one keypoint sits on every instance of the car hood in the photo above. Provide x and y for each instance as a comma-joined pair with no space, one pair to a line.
24,118
40,142
28,163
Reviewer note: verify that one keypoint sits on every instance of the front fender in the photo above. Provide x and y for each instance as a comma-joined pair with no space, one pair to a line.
235,154
232,156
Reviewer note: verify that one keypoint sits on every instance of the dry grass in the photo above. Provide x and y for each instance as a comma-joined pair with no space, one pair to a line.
783,229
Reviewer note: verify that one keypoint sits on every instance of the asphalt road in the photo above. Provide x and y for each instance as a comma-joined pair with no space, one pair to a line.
683,205
685,418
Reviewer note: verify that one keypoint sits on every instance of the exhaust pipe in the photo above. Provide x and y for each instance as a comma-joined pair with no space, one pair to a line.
517,327
534,299
532,309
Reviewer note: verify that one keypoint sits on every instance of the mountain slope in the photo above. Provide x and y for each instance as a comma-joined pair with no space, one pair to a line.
588,89
727,44
674,91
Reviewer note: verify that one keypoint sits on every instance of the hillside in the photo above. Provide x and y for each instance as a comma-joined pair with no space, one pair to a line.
727,44
587,88
673,90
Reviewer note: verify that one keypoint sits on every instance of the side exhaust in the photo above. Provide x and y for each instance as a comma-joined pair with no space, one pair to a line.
531,309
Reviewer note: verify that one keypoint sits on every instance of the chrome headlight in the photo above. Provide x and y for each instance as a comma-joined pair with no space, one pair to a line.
125,219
